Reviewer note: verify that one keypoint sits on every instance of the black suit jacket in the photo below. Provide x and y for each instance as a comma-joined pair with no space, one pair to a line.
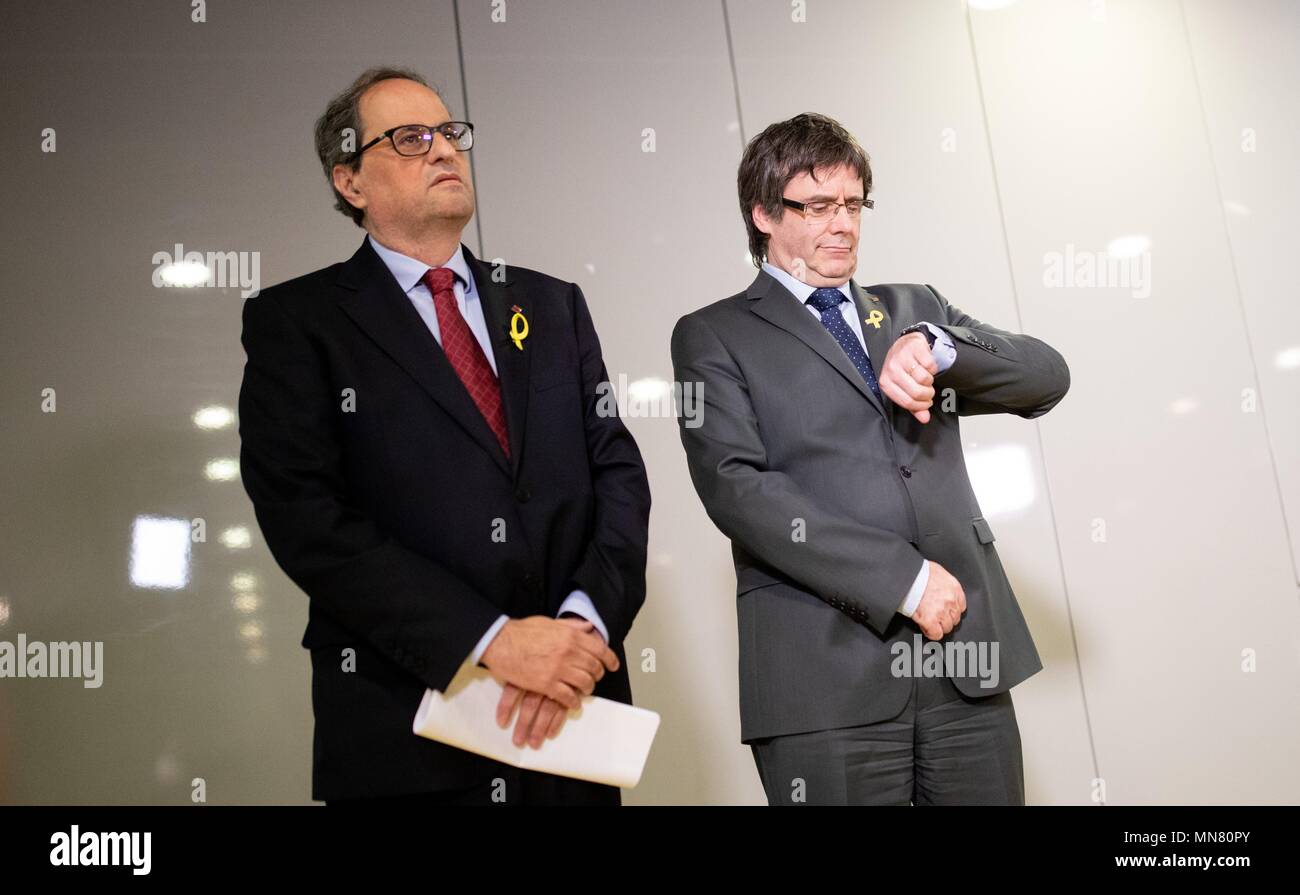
379,487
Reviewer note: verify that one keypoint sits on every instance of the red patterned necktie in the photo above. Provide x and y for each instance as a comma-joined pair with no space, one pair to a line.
466,355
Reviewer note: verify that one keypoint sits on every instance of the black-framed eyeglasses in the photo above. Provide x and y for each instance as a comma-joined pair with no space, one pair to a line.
417,139
821,212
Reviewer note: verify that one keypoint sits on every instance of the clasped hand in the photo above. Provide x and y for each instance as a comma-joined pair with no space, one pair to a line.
547,665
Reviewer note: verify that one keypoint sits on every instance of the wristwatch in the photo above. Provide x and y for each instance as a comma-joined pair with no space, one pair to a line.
921,328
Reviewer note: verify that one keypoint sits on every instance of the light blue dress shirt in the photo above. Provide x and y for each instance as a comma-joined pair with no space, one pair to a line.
409,273
944,353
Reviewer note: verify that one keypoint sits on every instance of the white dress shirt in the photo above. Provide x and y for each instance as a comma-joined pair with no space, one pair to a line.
409,273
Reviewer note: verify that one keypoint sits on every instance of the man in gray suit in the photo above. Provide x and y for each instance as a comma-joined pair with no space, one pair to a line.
879,636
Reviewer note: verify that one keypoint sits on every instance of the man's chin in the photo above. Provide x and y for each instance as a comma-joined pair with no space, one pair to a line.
451,211
838,267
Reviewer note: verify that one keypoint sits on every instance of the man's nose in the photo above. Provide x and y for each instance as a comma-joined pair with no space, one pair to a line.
442,148
841,222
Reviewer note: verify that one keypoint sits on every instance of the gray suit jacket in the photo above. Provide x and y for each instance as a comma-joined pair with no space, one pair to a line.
790,441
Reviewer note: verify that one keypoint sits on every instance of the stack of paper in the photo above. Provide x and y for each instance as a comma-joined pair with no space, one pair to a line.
603,741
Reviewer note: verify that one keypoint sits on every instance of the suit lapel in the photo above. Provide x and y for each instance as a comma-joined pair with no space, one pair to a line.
374,301
774,303
878,336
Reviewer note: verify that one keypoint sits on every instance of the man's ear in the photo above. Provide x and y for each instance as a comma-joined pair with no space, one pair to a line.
761,220
344,179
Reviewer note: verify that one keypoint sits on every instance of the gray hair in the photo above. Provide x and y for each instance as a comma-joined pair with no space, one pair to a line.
342,116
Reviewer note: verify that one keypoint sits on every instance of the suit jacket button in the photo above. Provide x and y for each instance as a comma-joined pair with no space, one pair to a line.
907,471
522,494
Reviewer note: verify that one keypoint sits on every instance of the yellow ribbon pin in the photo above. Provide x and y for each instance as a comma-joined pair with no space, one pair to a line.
518,327
874,318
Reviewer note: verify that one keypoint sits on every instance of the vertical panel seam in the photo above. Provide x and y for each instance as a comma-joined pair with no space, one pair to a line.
1236,283
464,99
735,80
1038,432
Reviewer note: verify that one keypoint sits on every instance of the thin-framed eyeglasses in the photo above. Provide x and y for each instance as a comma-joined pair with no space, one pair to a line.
822,212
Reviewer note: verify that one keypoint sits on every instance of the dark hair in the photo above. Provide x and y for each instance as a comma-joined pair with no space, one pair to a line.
806,142
342,113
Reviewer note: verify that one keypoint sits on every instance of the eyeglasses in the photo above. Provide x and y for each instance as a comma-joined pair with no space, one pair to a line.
822,212
417,139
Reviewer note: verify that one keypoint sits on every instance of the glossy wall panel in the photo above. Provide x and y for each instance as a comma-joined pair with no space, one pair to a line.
1167,511
167,131
1149,523
1254,136
608,152
902,78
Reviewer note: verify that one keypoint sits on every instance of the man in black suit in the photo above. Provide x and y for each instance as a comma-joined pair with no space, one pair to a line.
428,460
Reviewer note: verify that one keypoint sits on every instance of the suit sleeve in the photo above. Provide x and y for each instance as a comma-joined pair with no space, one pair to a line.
408,607
841,560
612,571
997,371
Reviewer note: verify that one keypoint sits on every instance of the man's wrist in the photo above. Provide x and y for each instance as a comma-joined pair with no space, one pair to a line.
924,330
579,603
481,648
917,590
942,347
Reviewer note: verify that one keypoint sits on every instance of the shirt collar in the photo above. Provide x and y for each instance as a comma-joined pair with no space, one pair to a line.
798,288
409,271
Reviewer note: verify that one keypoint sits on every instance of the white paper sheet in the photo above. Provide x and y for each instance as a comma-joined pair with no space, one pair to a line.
603,741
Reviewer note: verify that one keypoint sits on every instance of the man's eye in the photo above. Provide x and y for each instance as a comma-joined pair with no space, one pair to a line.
411,139
817,207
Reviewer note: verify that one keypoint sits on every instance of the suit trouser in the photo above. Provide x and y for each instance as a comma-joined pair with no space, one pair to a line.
514,787
943,749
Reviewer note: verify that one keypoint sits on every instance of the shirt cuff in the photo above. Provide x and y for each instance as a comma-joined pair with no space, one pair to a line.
913,598
486,639
580,604
944,349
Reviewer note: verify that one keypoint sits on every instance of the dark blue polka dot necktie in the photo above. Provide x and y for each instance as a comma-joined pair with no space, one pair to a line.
827,303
